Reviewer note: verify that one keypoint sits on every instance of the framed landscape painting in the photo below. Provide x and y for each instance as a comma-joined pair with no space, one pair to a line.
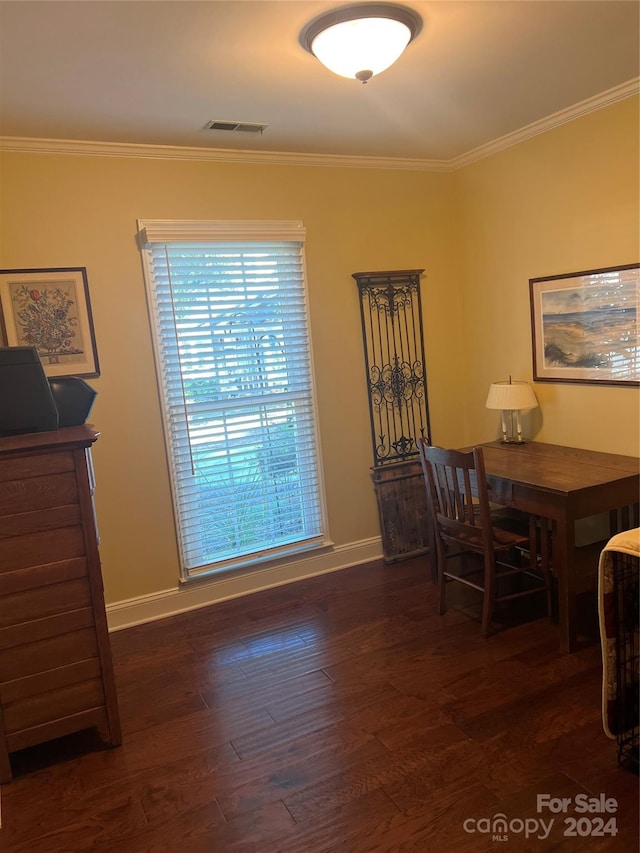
585,326
49,309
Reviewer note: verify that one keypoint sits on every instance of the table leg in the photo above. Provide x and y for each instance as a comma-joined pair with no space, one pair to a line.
563,561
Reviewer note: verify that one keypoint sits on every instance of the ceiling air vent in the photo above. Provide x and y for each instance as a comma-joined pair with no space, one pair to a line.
236,126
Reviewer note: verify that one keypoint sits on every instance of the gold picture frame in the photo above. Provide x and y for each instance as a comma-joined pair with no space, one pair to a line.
49,309
585,326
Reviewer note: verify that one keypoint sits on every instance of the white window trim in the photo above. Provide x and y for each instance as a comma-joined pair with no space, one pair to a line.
167,231
181,231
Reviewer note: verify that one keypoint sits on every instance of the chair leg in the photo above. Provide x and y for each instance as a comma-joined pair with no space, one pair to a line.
442,599
488,595
442,582
433,556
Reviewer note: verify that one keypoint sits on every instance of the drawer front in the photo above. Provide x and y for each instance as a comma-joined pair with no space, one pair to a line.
46,601
37,576
35,465
45,682
25,523
52,705
44,629
57,728
37,549
48,653
18,496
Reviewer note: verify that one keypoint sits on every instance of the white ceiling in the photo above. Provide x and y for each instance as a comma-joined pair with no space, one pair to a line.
154,72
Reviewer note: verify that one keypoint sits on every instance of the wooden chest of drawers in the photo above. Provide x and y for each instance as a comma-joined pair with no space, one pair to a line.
56,675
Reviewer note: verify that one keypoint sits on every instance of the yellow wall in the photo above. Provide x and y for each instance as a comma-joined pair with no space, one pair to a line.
62,210
562,202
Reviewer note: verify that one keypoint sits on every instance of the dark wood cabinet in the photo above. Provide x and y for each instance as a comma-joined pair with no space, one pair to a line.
56,675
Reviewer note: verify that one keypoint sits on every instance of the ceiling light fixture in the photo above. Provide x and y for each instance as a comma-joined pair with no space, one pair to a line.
361,40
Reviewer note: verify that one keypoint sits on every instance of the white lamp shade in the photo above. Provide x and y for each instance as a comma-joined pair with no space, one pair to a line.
364,44
516,395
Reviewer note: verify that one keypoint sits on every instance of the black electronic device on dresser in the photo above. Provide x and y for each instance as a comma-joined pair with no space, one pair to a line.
73,399
29,402
26,399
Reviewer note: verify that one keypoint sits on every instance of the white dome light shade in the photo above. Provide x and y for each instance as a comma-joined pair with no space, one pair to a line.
361,40
367,44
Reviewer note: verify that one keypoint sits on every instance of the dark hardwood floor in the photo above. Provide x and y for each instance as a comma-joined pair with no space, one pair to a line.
340,713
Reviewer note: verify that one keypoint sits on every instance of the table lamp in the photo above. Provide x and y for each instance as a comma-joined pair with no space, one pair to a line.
512,396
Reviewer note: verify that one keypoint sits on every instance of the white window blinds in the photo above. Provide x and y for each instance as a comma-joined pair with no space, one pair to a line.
228,305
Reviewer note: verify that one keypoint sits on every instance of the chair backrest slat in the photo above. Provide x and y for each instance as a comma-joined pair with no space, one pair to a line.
457,491
469,519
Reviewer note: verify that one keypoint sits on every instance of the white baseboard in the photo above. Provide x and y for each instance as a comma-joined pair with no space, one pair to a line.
190,596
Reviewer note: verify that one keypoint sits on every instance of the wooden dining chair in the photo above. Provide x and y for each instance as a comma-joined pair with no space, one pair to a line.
474,544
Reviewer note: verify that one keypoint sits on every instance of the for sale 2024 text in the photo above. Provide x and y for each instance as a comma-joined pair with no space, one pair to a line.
582,804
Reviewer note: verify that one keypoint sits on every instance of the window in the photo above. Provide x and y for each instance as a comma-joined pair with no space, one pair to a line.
228,307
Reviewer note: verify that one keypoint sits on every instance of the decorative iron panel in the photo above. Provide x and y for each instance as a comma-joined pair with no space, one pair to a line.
391,314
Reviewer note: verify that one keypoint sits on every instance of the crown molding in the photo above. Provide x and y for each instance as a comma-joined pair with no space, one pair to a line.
26,145
590,105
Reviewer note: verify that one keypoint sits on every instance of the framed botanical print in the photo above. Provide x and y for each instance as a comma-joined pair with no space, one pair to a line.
49,309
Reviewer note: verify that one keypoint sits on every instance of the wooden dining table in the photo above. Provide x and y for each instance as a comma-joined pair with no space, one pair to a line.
563,485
